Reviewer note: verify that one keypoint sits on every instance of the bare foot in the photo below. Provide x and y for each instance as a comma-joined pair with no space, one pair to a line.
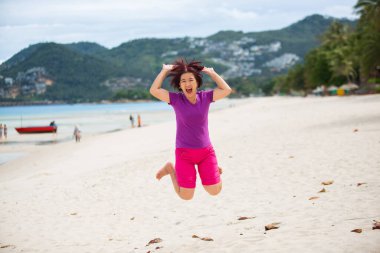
166,170
220,170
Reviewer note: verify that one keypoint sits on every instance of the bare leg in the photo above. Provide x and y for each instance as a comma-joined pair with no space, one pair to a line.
168,169
216,188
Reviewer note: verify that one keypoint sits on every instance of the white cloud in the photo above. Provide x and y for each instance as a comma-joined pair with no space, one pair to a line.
340,11
237,14
92,12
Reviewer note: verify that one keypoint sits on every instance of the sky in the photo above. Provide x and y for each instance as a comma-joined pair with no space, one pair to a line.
112,22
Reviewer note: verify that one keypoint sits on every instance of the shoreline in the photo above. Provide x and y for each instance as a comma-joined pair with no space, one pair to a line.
27,143
123,101
128,101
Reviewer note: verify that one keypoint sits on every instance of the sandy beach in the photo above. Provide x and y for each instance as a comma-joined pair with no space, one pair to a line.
101,195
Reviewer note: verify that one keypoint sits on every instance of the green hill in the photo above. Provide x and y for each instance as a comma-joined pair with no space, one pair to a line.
76,76
87,71
88,48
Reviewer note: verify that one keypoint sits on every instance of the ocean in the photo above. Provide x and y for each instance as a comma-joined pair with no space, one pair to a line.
92,119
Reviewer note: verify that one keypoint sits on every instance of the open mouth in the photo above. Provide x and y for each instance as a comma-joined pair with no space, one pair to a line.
189,91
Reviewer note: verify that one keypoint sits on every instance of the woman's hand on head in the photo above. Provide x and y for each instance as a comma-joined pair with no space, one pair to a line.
208,71
167,67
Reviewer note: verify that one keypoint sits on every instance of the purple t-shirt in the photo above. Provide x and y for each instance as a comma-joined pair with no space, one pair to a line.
192,119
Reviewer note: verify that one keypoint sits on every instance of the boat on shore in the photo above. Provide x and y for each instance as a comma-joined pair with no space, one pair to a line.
36,129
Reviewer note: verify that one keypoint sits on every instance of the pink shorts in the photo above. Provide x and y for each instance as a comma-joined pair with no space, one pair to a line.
204,158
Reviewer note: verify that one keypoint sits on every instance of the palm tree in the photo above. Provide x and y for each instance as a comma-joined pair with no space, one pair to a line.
337,48
369,35
368,9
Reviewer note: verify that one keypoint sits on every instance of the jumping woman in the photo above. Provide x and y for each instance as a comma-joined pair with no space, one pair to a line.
193,145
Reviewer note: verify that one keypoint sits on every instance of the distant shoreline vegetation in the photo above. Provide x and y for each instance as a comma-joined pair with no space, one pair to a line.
346,55
5,103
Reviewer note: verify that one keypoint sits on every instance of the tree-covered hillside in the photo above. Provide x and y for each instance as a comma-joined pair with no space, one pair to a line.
87,71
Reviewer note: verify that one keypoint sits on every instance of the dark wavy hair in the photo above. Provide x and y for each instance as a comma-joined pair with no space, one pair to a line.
180,67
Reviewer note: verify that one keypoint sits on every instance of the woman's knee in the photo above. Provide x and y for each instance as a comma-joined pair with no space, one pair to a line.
185,197
213,189
186,194
215,192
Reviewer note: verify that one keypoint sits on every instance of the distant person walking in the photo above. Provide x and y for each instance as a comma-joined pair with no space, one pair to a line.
138,120
132,120
77,134
52,124
1,131
5,131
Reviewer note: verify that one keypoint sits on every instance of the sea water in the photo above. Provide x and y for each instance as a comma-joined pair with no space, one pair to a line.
90,118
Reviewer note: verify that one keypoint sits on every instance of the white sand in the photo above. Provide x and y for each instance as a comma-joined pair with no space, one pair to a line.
101,195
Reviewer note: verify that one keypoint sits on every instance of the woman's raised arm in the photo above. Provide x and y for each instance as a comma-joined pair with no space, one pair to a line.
223,88
156,89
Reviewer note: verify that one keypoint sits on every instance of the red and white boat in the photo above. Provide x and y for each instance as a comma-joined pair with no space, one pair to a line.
36,129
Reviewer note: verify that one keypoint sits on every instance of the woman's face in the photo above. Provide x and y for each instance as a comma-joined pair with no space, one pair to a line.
188,84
